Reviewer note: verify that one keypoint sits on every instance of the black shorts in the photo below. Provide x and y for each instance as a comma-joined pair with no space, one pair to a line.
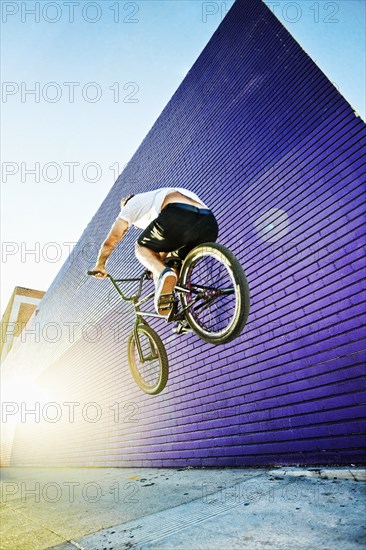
179,227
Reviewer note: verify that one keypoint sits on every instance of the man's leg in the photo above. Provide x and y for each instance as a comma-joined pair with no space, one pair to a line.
150,259
164,278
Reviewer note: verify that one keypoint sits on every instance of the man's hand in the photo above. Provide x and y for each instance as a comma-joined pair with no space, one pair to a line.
102,273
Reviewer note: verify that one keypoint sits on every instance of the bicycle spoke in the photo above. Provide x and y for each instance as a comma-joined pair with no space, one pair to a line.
214,293
196,289
212,279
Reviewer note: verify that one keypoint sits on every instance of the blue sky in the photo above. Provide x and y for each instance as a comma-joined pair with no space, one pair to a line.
142,52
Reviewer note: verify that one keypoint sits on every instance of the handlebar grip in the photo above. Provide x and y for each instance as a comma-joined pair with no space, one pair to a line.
92,272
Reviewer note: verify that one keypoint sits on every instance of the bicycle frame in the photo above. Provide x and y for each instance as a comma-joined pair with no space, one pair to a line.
177,312
135,298
137,303
200,302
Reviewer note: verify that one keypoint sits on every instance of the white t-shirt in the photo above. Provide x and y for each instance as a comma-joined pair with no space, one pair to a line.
143,208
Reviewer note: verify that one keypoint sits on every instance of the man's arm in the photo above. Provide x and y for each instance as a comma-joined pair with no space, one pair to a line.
118,230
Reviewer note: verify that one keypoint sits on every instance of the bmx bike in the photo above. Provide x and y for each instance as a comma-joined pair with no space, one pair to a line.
211,298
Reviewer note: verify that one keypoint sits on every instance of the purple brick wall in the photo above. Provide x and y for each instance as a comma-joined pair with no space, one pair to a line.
259,132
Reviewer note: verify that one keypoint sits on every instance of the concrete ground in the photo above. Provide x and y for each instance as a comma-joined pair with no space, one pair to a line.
183,509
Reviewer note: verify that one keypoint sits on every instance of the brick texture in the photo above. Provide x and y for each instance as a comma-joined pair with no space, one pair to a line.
260,133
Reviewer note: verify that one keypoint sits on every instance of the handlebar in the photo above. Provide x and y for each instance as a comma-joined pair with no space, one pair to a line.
145,276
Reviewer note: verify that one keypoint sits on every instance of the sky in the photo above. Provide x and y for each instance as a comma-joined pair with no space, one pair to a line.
82,84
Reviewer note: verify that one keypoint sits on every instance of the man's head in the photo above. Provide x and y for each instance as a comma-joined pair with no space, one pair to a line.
125,200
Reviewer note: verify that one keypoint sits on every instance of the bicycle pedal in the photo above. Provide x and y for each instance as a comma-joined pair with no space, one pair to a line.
182,329
180,332
166,306
166,300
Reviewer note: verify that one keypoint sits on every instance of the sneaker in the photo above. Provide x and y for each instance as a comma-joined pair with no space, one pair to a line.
164,290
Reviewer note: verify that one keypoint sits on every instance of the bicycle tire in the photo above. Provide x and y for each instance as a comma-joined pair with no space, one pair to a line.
155,386
234,270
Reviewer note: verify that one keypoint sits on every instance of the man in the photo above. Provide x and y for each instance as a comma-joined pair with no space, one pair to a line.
171,219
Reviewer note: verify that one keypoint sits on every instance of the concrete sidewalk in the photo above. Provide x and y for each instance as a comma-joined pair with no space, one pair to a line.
183,509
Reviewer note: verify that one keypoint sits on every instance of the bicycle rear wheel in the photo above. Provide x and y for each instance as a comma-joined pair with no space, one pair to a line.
217,304
150,373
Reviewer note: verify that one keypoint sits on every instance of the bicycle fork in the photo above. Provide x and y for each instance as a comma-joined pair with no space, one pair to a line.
153,352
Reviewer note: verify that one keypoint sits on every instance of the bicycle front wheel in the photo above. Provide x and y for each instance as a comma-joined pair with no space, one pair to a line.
149,365
217,299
